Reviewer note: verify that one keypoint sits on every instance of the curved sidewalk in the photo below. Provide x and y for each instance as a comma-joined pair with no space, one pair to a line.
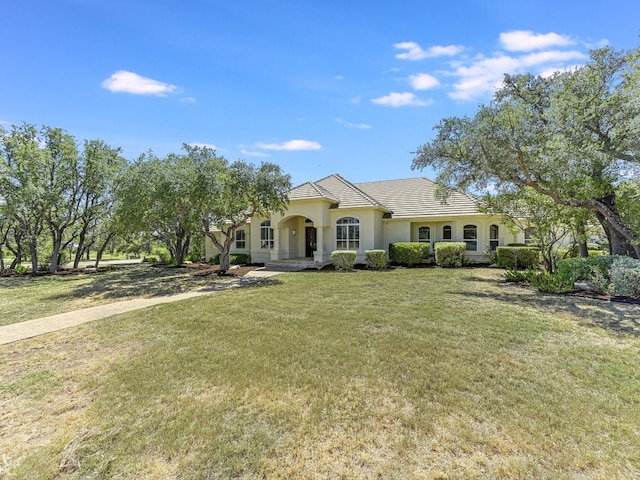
32,328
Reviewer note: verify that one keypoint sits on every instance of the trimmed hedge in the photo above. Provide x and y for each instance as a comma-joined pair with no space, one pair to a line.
344,259
409,253
375,259
513,257
450,254
234,259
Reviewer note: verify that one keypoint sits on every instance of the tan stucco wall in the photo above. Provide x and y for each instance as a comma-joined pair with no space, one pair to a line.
376,232
211,250
407,230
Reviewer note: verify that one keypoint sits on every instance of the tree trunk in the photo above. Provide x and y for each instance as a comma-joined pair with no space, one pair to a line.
55,253
581,238
79,249
33,246
224,248
102,248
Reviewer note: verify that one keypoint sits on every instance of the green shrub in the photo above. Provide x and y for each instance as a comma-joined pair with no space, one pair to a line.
163,255
344,259
21,269
550,283
624,276
514,275
450,254
375,259
234,259
512,257
409,253
150,259
582,268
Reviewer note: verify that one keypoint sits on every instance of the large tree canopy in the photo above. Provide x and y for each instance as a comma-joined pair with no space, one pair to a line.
49,185
179,196
573,137
243,191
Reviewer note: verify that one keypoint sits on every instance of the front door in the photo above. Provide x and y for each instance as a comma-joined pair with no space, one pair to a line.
310,241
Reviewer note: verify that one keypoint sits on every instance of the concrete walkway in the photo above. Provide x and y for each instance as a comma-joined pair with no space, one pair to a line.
40,326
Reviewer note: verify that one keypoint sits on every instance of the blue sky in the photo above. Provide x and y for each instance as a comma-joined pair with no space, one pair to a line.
318,87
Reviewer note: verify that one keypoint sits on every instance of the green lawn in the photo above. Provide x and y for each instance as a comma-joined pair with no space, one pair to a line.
405,374
26,297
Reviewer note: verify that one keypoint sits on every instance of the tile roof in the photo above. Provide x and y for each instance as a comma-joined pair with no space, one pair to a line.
310,190
415,197
406,198
348,194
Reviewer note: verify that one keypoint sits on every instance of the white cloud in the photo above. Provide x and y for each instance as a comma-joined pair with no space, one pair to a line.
483,75
338,77
188,100
250,153
291,145
204,145
526,40
415,51
129,82
355,100
364,126
423,81
405,99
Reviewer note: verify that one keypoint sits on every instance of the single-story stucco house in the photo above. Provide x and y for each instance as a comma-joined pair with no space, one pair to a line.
335,214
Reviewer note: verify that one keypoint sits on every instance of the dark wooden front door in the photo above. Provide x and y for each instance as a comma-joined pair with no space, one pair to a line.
310,241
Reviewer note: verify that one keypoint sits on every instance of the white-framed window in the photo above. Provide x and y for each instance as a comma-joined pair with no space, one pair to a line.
424,234
529,235
446,232
266,235
348,233
241,240
494,237
470,237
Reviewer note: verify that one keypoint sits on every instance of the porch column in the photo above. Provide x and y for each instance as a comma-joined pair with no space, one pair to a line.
275,251
318,254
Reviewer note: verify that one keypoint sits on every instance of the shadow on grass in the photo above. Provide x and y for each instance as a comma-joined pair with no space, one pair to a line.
148,282
612,315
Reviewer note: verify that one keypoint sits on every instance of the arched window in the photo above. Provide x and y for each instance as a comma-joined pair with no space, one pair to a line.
266,235
424,234
494,237
446,232
470,237
348,233
529,235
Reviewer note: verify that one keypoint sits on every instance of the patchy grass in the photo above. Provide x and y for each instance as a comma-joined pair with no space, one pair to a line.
28,297
426,373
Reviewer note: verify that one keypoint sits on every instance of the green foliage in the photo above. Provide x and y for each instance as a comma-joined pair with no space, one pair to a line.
344,260
550,283
571,137
450,254
582,269
22,270
375,259
514,275
234,259
618,275
517,257
624,276
409,253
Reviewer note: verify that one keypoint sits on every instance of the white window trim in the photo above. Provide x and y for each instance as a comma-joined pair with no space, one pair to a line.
349,241
470,241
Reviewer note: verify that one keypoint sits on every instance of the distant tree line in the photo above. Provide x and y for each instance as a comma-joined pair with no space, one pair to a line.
57,194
